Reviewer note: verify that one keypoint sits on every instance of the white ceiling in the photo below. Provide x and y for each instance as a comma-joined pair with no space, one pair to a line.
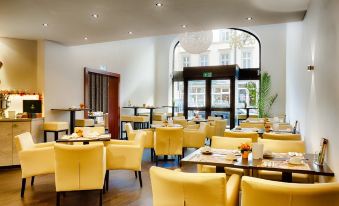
69,21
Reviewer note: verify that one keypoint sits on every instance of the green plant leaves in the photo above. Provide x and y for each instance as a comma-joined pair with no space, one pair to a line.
266,100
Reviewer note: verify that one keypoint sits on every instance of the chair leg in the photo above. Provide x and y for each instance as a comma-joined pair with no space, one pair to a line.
156,160
183,152
45,136
140,179
23,186
107,179
152,157
58,199
136,174
100,201
32,180
56,135
179,160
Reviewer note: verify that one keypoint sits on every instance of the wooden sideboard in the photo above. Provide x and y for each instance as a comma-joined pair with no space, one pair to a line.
9,128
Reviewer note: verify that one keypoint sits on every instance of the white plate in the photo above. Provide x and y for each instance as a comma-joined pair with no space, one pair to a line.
294,163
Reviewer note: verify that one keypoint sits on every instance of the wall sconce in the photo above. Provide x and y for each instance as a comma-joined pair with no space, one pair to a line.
310,68
1,64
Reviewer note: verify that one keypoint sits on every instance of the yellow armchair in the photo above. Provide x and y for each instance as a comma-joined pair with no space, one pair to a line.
253,135
259,192
149,137
79,167
125,155
216,128
195,138
168,141
35,159
178,188
286,136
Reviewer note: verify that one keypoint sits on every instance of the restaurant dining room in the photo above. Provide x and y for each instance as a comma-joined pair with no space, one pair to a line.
169,103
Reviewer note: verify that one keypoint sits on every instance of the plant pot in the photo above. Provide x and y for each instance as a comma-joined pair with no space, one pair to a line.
245,154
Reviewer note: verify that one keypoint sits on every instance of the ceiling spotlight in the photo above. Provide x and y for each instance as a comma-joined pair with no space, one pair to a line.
249,18
130,32
86,38
95,16
159,4
45,25
183,26
310,68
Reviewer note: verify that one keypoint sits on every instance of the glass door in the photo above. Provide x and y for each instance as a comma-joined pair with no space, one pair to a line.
221,98
196,98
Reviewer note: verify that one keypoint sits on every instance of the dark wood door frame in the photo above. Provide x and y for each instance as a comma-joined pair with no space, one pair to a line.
113,98
225,72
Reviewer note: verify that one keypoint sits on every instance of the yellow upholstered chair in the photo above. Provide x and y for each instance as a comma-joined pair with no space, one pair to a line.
284,146
141,122
285,136
182,122
212,118
195,138
225,143
149,138
168,141
79,167
84,122
174,188
252,125
216,128
253,135
125,155
35,159
259,192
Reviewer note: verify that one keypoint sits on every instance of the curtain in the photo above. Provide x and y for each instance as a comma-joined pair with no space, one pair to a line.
98,92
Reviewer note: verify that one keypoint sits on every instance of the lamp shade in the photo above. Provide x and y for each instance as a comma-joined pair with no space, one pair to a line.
196,42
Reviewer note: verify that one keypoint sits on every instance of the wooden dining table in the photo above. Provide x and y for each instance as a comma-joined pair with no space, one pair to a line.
135,108
85,140
278,162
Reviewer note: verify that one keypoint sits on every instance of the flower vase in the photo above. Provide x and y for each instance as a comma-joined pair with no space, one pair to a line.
245,154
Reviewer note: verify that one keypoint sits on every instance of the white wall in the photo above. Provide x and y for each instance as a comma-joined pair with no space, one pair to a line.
312,97
136,60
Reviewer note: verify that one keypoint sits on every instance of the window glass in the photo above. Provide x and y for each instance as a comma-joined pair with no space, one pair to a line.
220,94
196,93
179,96
204,60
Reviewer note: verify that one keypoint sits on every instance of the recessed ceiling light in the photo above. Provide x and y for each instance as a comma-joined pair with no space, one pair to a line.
249,18
86,38
159,4
95,16
130,32
45,25
183,26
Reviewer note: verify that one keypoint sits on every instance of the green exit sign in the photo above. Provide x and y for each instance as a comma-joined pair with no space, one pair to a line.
207,74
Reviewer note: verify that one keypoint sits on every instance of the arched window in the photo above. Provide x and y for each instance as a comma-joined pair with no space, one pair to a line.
229,47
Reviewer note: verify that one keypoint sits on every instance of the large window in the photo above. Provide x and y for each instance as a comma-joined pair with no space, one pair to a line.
196,93
220,93
179,96
229,46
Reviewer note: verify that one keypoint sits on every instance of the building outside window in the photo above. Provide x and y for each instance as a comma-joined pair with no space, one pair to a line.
246,58
224,35
186,62
224,59
204,60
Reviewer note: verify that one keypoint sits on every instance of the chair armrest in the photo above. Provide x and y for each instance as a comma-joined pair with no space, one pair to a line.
192,126
120,142
46,144
124,157
37,161
232,190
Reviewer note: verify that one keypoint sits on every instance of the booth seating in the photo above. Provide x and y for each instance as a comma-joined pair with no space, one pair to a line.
35,159
84,122
174,188
260,192
55,127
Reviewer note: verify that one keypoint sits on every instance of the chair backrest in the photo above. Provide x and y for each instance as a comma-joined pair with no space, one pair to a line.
253,135
140,138
24,141
252,125
284,136
228,142
283,146
79,167
220,126
168,141
179,117
213,118
177,188
130,131
99,130
182,122
260,192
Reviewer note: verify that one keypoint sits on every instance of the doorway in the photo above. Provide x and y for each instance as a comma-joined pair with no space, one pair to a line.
101,93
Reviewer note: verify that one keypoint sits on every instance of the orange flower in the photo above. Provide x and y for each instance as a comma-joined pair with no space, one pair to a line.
245,147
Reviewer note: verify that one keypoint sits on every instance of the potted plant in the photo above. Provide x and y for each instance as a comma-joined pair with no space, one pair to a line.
245,150
266,100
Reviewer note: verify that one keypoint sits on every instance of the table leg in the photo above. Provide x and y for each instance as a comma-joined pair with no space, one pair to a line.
286,177
135,111
85,143
220,170
72,121
151,116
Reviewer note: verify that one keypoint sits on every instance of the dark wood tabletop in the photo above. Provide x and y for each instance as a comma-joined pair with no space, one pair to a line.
218,159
